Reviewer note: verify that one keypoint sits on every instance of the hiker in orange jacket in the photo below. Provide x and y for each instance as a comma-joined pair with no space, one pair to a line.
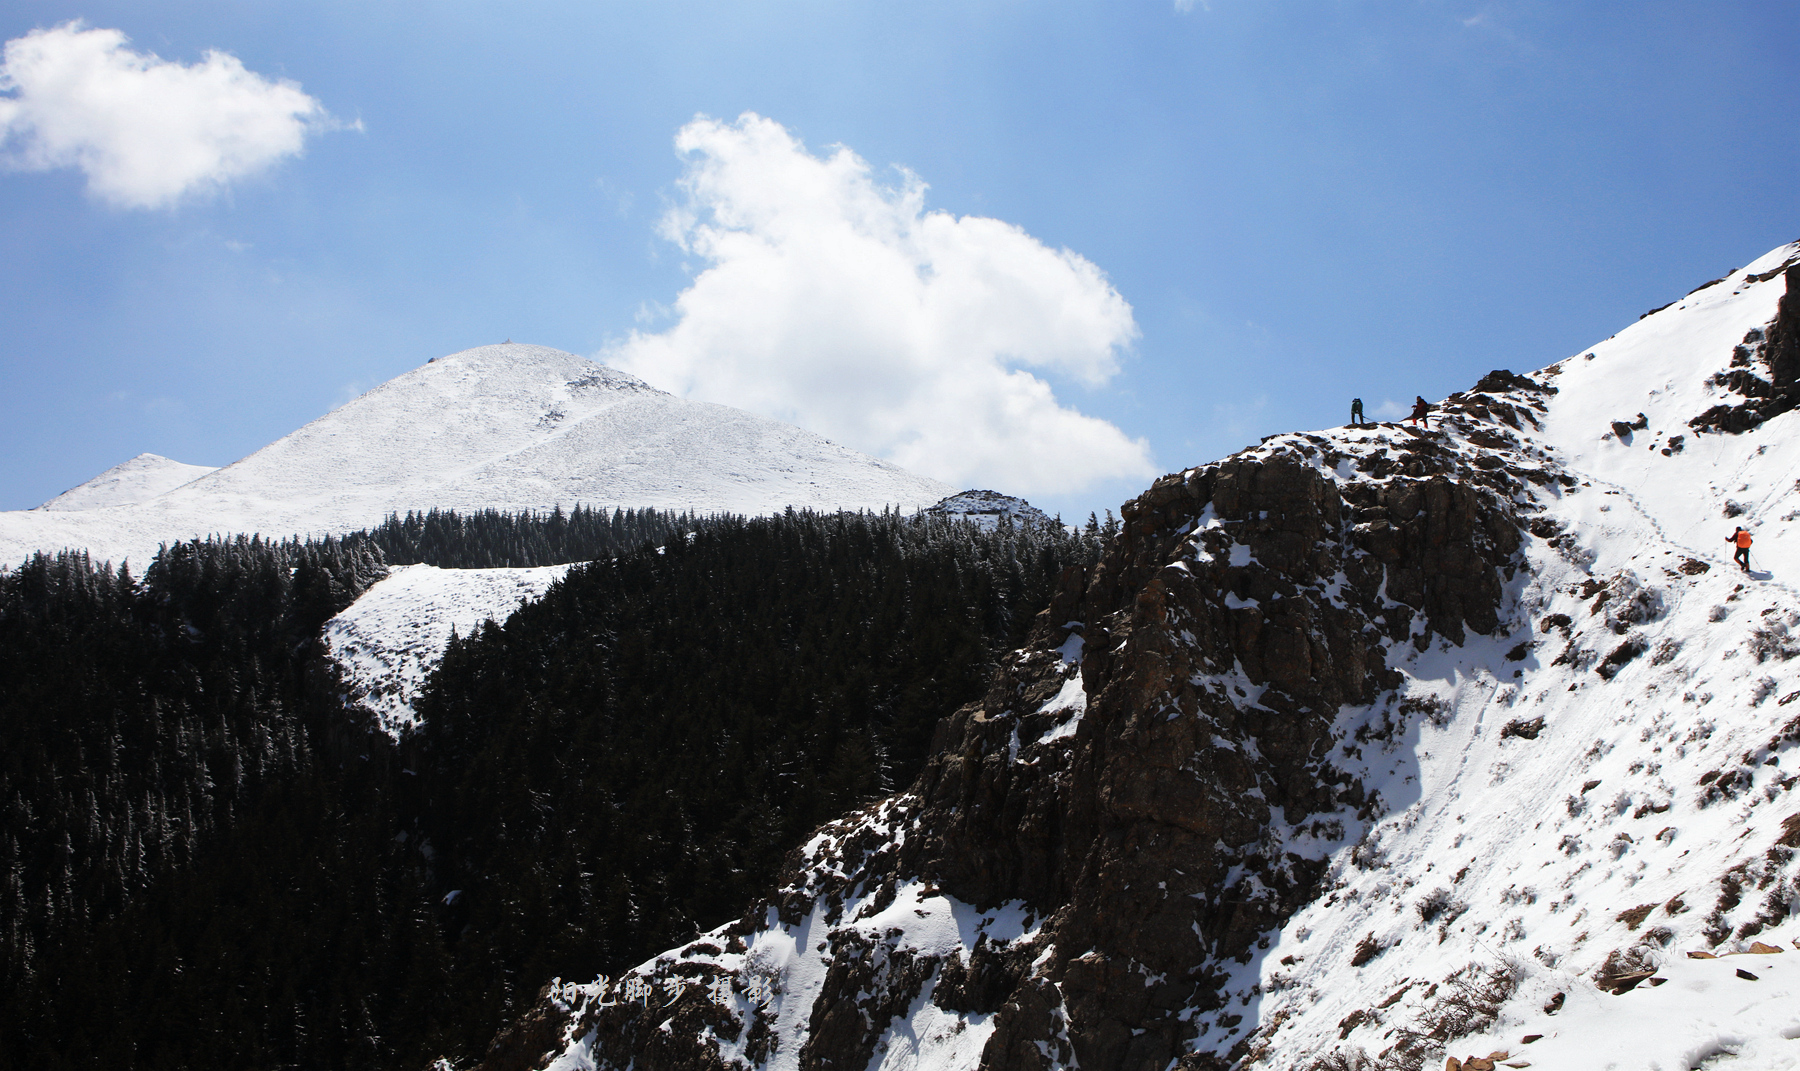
1742,539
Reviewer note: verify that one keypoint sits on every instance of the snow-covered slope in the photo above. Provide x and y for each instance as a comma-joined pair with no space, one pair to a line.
1616,793
138,480
508,427
1377,747
1664,367
389,640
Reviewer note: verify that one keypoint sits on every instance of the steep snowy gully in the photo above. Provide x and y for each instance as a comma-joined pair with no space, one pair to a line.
1370,747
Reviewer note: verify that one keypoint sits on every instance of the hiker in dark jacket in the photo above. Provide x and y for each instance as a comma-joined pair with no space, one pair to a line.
1420,411
1741,539
1356,416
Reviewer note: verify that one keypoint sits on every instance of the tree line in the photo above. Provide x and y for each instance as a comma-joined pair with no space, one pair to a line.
210,858
491,539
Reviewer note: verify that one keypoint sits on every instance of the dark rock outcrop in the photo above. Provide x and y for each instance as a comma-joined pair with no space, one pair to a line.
1783,350
1241,605
1775,349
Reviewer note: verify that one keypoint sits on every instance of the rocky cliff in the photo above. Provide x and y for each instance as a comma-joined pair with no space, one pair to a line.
1149,786
1354,746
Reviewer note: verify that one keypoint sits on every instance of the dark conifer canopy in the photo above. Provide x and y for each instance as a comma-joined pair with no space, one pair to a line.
208,859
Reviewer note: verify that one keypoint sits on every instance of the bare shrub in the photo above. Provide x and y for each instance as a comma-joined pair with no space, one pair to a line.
1437,903
1468,1002
1435,709
1771,640
1523,728
1366,949
1632,603
1368,853
1350,1059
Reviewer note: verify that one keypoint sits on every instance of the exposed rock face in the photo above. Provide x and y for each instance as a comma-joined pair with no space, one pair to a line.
1783,351
1141,782
1775,349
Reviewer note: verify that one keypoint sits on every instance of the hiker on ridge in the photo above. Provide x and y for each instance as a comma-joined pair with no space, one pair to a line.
1420,412
1741,538
1356,414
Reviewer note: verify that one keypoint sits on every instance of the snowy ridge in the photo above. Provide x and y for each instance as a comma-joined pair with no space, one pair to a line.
1546,821
1602,785
391,638
127,483
508,427
1563,816
1663,366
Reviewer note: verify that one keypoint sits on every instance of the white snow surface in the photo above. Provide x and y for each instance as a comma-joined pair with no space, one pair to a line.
1699,1013
1537,823
509,427
129,482
988,508
391,638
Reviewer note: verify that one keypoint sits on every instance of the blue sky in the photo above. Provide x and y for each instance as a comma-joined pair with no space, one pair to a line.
1301,202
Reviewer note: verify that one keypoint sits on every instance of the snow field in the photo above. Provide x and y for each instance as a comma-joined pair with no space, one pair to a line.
1514,845
1661,366
138,480
390,639
1695,1013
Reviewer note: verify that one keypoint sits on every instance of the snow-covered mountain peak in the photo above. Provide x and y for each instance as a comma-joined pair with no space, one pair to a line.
137,480
520,361
510,427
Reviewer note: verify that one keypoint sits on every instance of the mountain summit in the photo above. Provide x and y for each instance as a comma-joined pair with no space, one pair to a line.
138,480
509,427
1374,747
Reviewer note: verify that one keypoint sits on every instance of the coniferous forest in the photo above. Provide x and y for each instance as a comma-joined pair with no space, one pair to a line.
209,860
490,539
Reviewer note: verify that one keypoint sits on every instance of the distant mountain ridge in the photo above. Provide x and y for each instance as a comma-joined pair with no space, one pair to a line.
510,427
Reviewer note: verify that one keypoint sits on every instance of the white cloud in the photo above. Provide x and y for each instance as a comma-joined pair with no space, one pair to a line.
145,131
840,304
